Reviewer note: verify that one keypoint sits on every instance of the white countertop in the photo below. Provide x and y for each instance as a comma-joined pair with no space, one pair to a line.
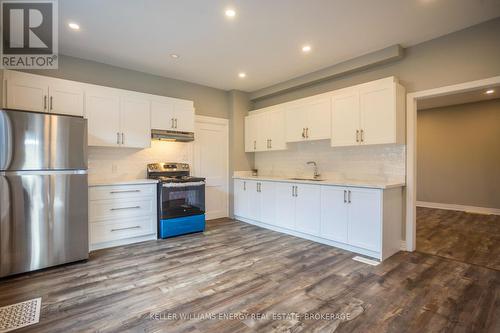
122,182
368,183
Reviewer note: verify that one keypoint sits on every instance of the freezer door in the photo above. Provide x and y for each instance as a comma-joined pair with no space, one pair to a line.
43,220
38,141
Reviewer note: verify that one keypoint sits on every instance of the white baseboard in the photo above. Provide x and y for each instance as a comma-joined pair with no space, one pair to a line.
460,208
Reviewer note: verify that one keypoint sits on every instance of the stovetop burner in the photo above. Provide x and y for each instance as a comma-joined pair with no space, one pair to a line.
171,173
178,179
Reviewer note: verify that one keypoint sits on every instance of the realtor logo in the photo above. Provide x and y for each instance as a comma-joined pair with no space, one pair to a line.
29,34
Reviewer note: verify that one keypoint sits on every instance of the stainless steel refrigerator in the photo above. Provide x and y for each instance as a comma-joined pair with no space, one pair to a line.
43,191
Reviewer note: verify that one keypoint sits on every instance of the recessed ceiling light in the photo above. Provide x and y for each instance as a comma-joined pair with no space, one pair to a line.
306,48
242,75
230,12
74,26
174,56
490,91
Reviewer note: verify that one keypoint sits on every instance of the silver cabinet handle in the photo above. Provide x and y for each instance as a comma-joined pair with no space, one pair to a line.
171,122
176,122
270,143
307,132
357,135
293,191
123,138
50,102
45,102
117,138
127,228
362,136
303,133
349,196
254,144
244,186
124,191
296,191
122,208
345,193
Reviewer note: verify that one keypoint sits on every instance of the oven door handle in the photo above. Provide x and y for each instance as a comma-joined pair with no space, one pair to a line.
183,184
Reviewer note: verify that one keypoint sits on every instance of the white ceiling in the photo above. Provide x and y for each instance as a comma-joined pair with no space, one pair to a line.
264,39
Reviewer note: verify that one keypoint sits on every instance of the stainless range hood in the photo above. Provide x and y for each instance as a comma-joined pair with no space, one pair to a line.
166,135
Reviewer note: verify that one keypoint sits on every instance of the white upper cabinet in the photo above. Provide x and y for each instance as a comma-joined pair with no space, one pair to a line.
251,133
162,114
296,120
370,113
265,130
102,109
66,98
135,121
184,116
308,119
43,94
117,118
318,118
26,92
345,119
172,114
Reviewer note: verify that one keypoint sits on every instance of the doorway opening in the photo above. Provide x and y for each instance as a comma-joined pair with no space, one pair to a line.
458,177
452,163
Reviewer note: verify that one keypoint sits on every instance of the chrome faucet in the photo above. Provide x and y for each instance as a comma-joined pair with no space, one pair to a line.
315,165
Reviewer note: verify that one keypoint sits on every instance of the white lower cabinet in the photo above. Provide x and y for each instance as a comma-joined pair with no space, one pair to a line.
334,213
363,220
255,200
285,205
121,214
241,199
307,208
267,202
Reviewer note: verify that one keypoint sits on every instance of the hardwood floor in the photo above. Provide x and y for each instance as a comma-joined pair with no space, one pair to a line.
466,237
243,269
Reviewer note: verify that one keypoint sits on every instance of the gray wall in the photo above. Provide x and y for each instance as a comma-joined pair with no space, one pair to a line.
207,101
458,154
470,54
239,104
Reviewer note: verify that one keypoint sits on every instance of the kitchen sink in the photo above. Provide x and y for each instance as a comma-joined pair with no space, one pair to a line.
309,179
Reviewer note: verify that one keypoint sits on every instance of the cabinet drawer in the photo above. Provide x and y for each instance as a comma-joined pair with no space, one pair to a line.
116,209
114,230
121,192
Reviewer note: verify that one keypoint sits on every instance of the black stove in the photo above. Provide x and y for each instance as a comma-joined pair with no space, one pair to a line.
181,199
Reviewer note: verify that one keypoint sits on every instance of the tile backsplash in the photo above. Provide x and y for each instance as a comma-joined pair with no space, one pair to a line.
366,162
125,163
